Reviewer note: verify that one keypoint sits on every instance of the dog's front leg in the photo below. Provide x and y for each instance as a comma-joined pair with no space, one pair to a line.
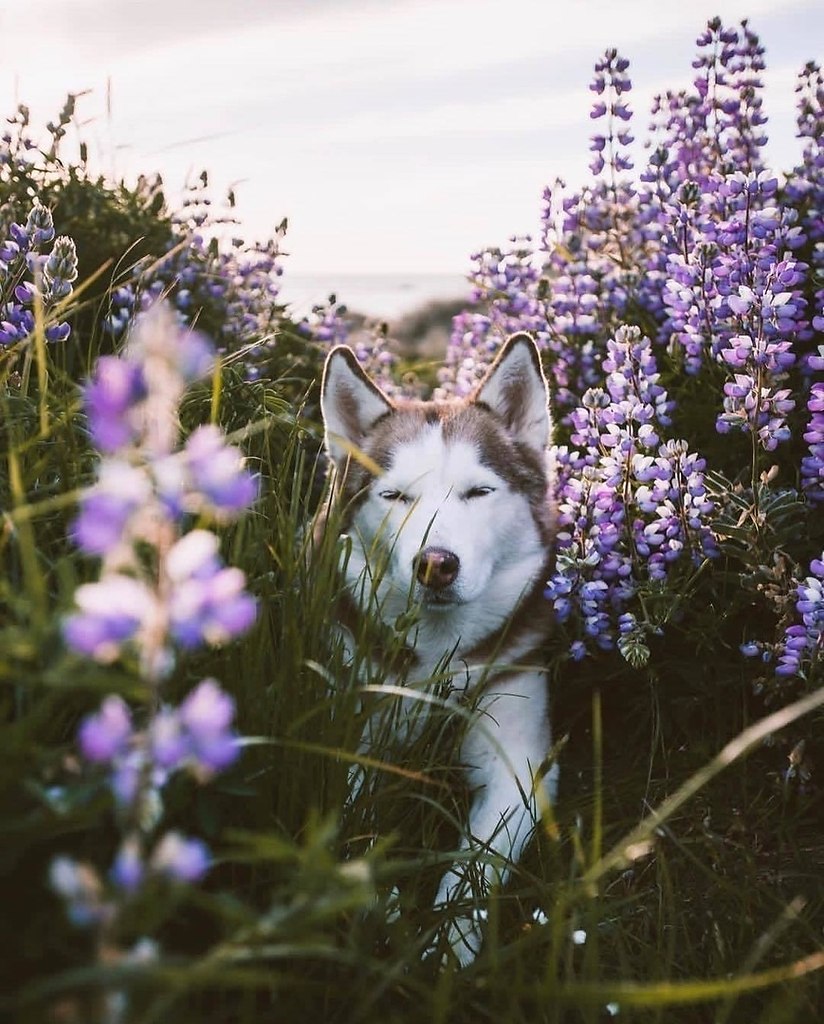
503,748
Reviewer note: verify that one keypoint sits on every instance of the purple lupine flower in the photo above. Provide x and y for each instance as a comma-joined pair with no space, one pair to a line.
199,734
168,742
812,465
207,715
803,643
60,269
327,323
128,775
208,603
40,224
107,508
180,858
218,472
111,612
240,284
612,82
110,397
80,886
105,735
630,505
505,281
128,869
21,255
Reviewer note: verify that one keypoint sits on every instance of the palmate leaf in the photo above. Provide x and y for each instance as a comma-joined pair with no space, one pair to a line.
754,524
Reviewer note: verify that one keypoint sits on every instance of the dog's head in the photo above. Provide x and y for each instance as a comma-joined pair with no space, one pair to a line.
451,496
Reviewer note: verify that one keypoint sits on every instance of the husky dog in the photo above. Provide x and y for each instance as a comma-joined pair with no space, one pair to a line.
453,499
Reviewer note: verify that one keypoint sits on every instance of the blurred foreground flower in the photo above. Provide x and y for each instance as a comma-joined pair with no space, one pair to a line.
163,589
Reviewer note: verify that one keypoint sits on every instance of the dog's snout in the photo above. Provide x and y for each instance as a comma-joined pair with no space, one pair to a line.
436,567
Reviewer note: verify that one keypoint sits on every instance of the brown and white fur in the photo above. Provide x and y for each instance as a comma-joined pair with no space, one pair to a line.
454,499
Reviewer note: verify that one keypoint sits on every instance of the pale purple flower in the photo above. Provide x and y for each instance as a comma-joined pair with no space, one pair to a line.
208,603
180,858
168,742
207,715
111,612
803,644
105,735
110,397
218,472
198,734
128,869
812,465
107,508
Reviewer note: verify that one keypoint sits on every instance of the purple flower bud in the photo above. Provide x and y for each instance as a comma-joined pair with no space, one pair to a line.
577,650
58,332
208,713
168,742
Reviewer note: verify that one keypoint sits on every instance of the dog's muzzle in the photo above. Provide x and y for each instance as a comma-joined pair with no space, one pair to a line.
437,568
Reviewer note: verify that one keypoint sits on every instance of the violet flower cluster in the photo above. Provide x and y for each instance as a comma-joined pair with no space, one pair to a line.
234,290
803,643
715,260
632,506
812,465
805,185
326,323
507,283
162,589
30,272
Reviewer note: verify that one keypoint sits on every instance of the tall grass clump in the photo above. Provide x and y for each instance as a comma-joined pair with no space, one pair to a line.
180,718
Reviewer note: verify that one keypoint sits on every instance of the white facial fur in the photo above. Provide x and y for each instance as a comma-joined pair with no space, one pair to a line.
491,531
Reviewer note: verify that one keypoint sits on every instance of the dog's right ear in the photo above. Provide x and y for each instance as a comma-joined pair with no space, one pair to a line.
350,404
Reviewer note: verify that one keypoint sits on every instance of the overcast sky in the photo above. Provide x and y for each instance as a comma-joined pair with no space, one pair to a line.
396,135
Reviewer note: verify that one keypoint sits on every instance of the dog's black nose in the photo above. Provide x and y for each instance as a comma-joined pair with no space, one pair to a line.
436,567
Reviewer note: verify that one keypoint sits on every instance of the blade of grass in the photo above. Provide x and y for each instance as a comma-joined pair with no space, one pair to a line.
638,841
34,582
673,993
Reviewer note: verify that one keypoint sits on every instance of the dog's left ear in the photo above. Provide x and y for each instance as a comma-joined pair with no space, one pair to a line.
515,389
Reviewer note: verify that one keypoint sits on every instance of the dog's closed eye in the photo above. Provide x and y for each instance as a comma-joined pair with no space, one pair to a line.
477,492
404,499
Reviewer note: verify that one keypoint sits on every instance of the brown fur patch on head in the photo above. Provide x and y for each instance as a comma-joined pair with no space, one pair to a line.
524,469
402,425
